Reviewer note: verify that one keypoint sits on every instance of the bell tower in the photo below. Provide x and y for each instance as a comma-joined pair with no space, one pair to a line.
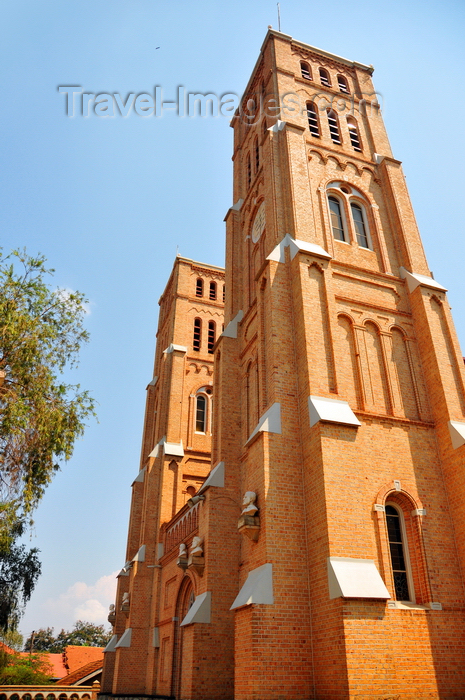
348,391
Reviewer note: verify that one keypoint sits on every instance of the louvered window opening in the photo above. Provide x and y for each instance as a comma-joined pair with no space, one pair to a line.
213,291
305,71
354,140
343,87
324,78
199,288
333,127
313,121
197,333
211,336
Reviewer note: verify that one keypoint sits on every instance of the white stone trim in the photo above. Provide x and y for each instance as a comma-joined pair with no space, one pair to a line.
237,206
160,549
215,478
153,382
331,410
174,348
378,507
419,511
173,449
156,637
270,422
277,126
125,640
296,245
140,556
231,329
257,589
200,610
139,478
457,433
414,280
355,578
111,646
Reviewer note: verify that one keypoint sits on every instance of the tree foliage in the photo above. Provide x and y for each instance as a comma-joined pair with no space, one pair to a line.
41,332
82,634
30,669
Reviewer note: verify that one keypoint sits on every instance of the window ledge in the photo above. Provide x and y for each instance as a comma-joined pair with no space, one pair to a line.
405,605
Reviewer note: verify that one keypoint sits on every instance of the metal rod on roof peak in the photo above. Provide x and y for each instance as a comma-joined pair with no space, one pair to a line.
279,18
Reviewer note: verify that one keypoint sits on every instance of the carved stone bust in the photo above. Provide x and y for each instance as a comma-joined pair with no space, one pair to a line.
249,503
197,547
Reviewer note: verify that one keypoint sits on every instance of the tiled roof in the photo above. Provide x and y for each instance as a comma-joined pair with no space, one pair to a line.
80,673
75,657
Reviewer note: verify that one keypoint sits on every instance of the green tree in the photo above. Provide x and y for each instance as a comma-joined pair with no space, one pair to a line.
83,634
32,669
41,332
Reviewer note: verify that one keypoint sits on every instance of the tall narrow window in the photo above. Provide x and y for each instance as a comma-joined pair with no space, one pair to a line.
359,223
333,126
224,293
337,224
213,290
264,126
211,336
197,334
249,170
305,70
399,558
257,156
353,133
199,288
343,84
201,415
313,120
324,77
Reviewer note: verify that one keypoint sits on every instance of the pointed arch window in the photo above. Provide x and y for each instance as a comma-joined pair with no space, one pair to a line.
305,70
343,84
312,116
353,133
199,287
257,156
197,334
333,126
337,221
212,291
361,228
324,77
398,550
211,336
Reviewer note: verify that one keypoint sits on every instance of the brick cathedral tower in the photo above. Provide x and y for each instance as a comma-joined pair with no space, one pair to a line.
325,552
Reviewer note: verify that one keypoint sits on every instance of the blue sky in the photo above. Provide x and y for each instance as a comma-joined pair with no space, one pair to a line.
108,200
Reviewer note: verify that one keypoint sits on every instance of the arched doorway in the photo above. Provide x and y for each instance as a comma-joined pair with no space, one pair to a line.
186,597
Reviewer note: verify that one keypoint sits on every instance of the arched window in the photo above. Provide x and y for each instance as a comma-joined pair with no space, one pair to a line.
353,133
360,226
197,333
257,156
305,70
337,222
398,550
333,126
201,414
213,291
324,77
211,336
199,288
249,171
224,293
312,115
343,84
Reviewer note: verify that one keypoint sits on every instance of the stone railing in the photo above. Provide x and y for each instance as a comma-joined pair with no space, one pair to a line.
184,523
49,692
